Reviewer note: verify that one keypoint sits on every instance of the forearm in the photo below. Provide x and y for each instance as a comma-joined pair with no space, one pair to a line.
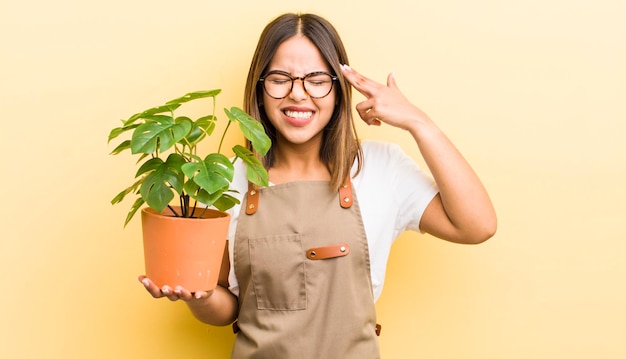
464,199
219,309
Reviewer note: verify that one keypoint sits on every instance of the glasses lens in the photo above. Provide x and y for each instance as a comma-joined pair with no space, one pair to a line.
318,84
277,85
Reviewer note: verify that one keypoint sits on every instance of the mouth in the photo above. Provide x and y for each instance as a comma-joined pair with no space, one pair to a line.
298,115
298,118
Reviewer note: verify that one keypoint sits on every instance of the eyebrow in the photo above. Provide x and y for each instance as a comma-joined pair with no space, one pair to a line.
291,75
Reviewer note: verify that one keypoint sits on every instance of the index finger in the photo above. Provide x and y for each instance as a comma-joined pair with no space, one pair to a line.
360,82
152,288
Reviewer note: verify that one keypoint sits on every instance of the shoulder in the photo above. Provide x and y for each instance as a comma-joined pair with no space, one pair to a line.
387,168
378,154
382,161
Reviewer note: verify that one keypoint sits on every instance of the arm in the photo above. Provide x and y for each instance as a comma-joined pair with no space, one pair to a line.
216,307
462,211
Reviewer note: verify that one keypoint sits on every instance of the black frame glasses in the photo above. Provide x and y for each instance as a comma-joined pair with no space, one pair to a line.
305,83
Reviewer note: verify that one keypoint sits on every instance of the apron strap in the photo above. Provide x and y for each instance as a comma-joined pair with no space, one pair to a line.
253,199
345,196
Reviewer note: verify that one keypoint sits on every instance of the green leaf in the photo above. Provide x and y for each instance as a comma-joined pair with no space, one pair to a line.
121,147
150,165
251,128
142,157
119,130
150,112
220,199
131,189
201,195
175,163
211,174
138,203
225,202
171,169
161,131
193,96
156,189
201,128
255,171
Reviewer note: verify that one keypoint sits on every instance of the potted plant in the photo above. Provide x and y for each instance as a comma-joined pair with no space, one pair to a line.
170,167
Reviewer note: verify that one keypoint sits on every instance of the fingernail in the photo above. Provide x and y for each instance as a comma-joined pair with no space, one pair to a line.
198,295
165,290
145,282
345,67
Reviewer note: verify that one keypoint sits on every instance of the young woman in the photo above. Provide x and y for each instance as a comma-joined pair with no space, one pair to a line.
307,255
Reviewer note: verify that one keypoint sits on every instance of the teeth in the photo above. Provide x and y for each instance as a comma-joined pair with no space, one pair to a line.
297,114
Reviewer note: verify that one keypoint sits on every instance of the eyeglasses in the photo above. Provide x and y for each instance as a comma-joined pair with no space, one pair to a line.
278,84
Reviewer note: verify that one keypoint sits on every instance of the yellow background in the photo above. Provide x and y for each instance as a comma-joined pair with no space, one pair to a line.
532,92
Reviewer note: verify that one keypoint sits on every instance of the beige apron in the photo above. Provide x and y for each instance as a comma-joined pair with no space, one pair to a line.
303,268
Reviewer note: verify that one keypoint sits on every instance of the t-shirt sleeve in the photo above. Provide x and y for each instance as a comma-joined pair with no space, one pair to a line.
410,187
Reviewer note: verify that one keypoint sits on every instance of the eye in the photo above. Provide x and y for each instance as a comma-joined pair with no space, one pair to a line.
318,80
277,79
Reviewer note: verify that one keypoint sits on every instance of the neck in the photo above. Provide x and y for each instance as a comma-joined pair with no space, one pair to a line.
297,162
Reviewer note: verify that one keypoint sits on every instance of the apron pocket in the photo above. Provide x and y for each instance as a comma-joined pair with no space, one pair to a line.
278,278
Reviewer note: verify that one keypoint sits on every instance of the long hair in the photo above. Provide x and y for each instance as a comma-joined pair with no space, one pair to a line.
340,145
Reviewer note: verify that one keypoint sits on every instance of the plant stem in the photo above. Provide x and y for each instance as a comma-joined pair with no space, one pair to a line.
173,211
193,211
219,149
186,200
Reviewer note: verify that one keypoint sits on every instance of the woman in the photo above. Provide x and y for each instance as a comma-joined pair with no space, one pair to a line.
307,255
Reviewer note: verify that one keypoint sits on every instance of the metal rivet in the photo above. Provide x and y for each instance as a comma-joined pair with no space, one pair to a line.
312,254
342,249
346,199
251,206
252,192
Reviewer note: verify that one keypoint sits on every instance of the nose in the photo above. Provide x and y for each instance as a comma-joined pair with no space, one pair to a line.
297,90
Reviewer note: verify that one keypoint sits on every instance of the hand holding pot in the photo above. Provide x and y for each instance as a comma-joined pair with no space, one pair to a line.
173,294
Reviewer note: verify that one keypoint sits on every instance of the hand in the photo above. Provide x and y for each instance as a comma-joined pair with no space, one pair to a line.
384,103
178,293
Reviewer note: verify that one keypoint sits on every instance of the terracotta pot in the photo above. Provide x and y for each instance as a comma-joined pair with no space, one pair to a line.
184,251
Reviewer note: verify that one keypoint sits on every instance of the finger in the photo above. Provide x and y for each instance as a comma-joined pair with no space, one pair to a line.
202,295
391,81
169,293
367,113
363,108
152,288
360,82
182,293
187,295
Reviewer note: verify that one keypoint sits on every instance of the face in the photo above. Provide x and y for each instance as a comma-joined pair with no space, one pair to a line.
298,118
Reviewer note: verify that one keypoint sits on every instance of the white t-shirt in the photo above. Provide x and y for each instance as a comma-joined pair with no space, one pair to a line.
392,192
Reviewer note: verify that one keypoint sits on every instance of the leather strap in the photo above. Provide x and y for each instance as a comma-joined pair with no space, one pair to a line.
345,194
327,252
253,199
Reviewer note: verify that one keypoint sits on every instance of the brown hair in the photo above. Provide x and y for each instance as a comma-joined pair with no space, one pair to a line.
340,145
